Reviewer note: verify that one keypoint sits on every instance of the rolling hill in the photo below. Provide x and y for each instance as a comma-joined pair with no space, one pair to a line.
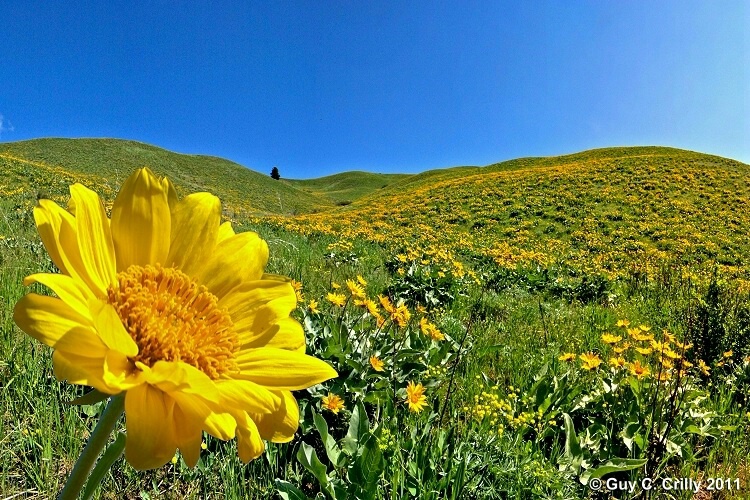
608,210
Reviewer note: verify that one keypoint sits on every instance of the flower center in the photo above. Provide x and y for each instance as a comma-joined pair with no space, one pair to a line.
172,318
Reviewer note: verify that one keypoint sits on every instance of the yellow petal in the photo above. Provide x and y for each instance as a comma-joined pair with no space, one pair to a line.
257,305
57,228
111,330
141,220
286,333
195,229
176,376
52,322
249,443
235,260
213,420
94,237
81,370
279,426
225,231
188,435
247,396
149,418
281,369
49,217
68,289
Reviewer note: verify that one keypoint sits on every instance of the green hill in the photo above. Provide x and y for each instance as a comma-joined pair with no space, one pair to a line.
110,161
344,188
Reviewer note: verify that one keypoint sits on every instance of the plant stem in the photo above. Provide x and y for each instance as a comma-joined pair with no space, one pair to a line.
94,447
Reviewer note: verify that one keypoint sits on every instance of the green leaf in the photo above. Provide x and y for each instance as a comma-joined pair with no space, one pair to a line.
114,451
287,491
573,456
358,427
616,465
332,450
90,398
309,460
368,468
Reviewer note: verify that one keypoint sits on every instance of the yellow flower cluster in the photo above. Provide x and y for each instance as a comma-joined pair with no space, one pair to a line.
501,413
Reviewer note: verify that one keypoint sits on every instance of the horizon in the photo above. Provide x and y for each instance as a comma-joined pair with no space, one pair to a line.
381,88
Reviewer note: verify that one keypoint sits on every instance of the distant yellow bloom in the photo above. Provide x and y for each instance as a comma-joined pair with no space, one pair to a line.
590,360
371,306
333,403
568,356
644,350
430,330
297,290
638,369
312,306
161,303
623,323
608,338
355,289
728,354
387,304
704,368
401,316
337,299
415,397
335,285
376,363
618,362
622,347
361,280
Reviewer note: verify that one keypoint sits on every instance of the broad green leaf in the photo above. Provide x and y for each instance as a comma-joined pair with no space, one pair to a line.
368,468
358,427
287,491
612,466
309,460
332,450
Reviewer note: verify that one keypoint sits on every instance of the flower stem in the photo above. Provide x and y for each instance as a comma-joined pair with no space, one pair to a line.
94,447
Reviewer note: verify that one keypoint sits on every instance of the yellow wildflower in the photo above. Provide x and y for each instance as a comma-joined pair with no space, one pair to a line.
568,356
590,360
361,280
153,305
355,289
617,362
337,299
704,368
312,306
638,369
376,363
622,347
415,397
608,338
333,403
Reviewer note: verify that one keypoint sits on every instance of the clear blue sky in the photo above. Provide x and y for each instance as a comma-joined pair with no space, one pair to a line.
319,87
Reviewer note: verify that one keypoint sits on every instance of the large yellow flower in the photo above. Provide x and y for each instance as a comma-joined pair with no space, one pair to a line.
173,308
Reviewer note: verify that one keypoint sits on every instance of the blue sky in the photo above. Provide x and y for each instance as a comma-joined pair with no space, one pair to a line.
323,87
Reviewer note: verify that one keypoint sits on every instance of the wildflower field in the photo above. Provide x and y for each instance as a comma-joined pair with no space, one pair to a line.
562,327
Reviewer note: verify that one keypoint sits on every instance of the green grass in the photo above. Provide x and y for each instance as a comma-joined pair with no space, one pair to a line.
344,188
503,329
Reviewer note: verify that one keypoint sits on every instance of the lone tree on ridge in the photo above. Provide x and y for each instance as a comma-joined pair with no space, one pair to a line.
275,173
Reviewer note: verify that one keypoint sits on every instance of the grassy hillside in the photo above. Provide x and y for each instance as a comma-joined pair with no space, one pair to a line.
344,188
511,331
110,161
609,211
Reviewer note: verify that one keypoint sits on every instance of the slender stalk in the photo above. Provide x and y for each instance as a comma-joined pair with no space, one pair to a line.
94,447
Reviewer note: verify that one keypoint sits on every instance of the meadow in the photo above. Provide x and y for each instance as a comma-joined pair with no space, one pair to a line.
528,329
